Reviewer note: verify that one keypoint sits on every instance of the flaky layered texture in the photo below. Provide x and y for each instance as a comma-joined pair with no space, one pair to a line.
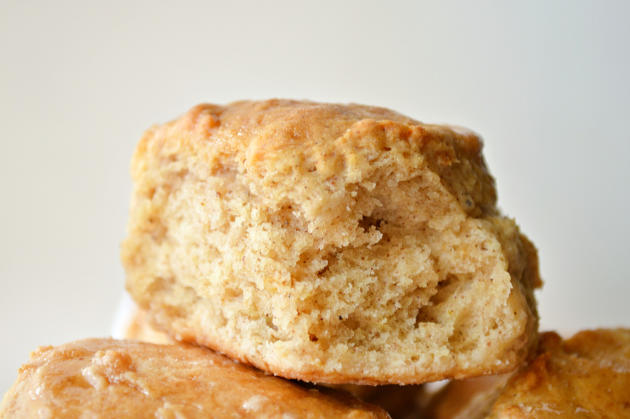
104,378
329,243
587,376
400,402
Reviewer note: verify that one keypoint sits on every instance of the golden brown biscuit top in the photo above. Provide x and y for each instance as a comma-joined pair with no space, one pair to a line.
104,378
585,376
301,150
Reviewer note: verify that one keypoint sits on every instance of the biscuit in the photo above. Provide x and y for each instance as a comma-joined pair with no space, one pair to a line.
329,243
585,376
105,378
400,402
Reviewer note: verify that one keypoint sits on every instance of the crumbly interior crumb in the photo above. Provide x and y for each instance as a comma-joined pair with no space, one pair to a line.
372,253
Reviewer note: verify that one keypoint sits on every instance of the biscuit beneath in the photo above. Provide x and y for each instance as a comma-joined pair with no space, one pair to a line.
329,243
585,376
104,378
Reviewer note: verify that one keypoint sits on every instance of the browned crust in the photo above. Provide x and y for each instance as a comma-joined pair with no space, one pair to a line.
108,378
587,375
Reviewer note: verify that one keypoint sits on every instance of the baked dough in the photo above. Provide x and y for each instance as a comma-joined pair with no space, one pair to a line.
105,378
587,376
329,243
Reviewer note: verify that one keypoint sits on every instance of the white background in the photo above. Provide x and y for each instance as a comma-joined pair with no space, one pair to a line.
545,82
